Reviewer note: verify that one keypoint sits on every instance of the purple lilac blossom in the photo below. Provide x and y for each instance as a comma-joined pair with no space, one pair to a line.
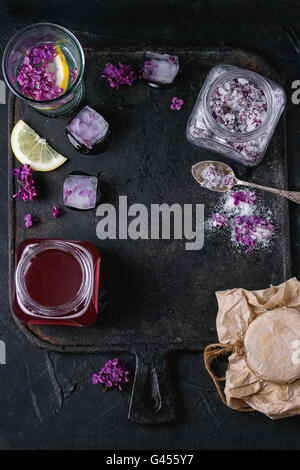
37,76
122,75
248,230
28,220
27,190
240,196
220,220
177,103
112,374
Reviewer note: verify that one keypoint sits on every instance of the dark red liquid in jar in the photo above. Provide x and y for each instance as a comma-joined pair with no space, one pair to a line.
56,282
53,278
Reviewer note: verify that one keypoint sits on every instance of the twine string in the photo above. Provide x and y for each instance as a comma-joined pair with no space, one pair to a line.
212,352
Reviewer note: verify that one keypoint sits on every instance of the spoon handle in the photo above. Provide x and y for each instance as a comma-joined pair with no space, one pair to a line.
292,195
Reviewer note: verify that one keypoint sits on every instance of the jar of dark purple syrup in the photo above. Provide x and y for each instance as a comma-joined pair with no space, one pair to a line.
236,113
56,282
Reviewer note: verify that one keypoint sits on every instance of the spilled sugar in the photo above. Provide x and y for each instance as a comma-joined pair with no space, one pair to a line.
249,224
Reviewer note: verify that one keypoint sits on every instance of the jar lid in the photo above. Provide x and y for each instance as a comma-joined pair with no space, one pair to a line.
272,345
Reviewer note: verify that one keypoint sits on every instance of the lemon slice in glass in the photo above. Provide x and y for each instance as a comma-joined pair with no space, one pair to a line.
32,149
61,69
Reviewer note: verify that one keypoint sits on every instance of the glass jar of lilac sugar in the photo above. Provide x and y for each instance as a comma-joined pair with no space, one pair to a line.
236,114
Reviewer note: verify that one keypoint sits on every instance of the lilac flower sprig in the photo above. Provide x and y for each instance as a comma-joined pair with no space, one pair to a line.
112,374
27,190
122,75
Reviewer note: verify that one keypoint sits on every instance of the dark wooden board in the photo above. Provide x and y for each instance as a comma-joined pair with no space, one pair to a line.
156,297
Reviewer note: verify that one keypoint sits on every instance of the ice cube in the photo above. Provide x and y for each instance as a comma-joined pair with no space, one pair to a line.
88,128
85,116
160,68
80,191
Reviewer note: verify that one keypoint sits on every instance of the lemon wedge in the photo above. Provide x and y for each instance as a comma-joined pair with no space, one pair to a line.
32,149
61,69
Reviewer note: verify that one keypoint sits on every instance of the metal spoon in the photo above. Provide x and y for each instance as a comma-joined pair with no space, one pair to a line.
226,170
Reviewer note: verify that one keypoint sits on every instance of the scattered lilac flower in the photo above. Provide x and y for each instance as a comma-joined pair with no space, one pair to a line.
37,75
29,220
247,228
56,212
177,103
240,196
112,374
122,75
250,197
220,220
211,177
27,190
250,229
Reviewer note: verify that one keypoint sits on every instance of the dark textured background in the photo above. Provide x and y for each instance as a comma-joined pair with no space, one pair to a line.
46,399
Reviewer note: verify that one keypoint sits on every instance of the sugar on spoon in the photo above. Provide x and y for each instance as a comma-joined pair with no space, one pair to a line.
218,176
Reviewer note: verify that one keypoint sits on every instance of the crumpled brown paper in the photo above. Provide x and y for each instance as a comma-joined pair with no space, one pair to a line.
261,330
